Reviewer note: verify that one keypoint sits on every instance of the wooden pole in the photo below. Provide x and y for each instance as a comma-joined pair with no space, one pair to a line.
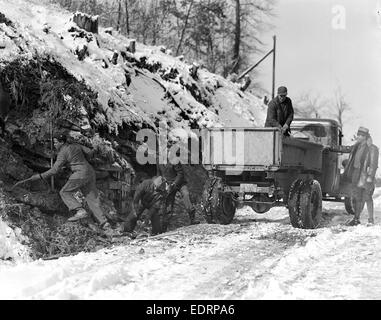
253,66
274,56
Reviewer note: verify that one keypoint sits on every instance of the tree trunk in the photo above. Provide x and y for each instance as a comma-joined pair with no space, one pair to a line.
119,15
184,29
127,18
237,37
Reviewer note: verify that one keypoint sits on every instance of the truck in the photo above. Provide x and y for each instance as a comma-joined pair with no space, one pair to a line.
262,168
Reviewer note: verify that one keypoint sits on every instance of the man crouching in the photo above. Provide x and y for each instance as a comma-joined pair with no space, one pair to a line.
150,196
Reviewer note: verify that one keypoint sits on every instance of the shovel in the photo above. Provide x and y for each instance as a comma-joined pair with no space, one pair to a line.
20,183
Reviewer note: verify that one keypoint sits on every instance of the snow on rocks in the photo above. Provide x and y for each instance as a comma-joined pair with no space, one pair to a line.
12,245
208,101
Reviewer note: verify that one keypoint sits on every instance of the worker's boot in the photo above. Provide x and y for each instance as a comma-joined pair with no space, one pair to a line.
353,222
81,214
192,217
108,230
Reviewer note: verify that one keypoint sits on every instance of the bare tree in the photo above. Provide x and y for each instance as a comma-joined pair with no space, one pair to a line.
310,106
184,28
126,4
237,37
340,106
119,15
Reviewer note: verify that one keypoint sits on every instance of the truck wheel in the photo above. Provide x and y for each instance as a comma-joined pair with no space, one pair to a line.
311,204
216,208
225,214
350,205
293,204
305,204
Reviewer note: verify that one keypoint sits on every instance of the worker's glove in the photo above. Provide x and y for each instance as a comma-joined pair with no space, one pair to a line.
369,180
35,177
285,128
171,188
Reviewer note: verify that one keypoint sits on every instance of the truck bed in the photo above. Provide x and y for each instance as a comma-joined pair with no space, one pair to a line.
258,149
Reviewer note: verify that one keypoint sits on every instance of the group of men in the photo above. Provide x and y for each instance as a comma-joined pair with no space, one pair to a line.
360,169
156,196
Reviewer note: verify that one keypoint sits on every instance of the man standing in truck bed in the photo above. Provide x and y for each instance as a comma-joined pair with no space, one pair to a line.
280,112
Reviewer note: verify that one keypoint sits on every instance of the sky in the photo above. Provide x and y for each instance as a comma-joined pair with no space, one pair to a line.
321,47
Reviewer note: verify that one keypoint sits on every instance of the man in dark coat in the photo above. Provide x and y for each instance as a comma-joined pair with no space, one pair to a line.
280,112
174,175
82,178
149,196
354,169
368,178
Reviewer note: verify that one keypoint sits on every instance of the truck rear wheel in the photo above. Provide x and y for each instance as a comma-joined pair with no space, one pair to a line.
217,208
350,205
305,204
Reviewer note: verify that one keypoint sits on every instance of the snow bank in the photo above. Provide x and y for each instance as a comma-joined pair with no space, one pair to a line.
11,247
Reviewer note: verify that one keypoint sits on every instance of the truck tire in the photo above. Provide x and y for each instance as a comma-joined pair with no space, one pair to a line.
227,212
350,204
217,208
311,204
305,204
293,203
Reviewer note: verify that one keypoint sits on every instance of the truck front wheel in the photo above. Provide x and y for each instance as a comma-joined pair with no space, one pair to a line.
217,207
305,204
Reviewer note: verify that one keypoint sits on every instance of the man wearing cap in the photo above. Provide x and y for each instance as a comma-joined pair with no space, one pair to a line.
149,196
354,169
280,112
82,178
368,177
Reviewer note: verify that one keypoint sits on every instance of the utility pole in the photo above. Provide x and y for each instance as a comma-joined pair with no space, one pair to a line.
274,56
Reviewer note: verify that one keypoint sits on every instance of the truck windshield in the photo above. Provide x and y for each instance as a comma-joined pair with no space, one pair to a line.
322,133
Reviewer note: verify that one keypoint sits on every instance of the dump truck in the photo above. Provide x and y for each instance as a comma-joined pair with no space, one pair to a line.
262,168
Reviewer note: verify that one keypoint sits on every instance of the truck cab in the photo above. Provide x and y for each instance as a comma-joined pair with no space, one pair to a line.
328,133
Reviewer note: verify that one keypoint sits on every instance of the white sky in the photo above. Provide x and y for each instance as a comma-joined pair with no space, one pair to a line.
314,57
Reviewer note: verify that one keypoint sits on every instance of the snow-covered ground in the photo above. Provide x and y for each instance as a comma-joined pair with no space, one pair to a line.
256,257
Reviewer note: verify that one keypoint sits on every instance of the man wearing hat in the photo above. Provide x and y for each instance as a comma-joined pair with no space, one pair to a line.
280,112
150,196
82,178
355,168
368,177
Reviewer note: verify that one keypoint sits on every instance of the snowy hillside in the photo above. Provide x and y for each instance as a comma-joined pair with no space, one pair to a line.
211,100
